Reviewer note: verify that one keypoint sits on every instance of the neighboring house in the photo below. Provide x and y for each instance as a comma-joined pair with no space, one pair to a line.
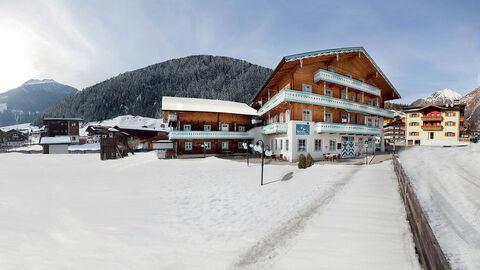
324,102
206,126
95,133
394,131
160,142
14,138
141,133
62,127
436,125
55,145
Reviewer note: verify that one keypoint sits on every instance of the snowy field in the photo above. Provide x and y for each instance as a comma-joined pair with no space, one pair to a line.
77,212
447,183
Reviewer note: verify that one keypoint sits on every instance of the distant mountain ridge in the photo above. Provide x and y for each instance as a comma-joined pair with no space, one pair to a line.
140,92
439,97
471,100
25,103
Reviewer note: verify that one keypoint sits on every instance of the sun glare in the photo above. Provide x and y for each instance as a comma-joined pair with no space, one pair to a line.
15,50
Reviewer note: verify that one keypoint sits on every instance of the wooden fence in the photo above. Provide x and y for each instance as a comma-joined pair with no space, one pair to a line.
429,252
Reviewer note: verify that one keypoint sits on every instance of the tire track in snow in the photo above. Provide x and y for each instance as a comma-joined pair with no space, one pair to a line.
265,249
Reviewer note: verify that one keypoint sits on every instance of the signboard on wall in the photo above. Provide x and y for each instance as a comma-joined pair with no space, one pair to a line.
302,129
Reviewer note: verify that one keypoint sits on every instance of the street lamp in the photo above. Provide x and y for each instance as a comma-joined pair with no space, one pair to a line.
262,144
203,146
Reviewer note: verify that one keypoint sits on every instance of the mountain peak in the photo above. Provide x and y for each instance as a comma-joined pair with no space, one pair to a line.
36,81
440,97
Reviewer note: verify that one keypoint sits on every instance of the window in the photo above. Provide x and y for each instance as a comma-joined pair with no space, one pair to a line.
332,144
376,103
287,115
302,145
450,114
241,128
352,119
329,117
413,133
225,127
207,145
360,99
187,127
352,97
450,123
344,118
450,134
275,119
344,95
413,123
438,114
414,115
274,144
369,122
332,69
188,146
286,145
74,124
306,115
281,117
377,122
318,145
370,102
328,92
306,87
207,127
360,119
348,75
280,145
224,145
240,145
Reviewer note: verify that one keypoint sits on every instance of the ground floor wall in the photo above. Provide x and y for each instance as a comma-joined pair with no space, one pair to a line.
211,146
304,140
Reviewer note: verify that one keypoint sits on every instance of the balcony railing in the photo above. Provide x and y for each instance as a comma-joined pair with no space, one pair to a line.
462,118
324,127
310,98
462,128
176,135
275,128
425,127
432,118
328,76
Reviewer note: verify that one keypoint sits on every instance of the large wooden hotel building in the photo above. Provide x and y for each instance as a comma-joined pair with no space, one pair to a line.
321,102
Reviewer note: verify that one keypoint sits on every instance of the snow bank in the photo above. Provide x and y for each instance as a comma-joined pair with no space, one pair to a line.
143,213
447,183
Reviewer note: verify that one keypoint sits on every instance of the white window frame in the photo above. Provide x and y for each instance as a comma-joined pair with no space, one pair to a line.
330,145
344,119
281,118
241,128
188,146
318,145
225,145
328,92
307,87
207,145
240,145
304,148
310,112
185,127
287,115
223,125
327,116
207,127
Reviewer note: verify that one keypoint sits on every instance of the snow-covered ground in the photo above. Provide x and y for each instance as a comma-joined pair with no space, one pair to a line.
19,126
77,212
37,147
447,183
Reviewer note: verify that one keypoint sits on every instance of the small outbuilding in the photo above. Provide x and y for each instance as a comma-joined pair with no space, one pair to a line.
55,145
114,144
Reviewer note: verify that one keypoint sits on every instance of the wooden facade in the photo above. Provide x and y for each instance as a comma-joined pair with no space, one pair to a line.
114,144
62,127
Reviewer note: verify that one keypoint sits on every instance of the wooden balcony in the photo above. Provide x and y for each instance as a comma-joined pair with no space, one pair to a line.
309,98
332,77
425,127
463,139
462,128
324,127
432,118
185,135
462,118
275,128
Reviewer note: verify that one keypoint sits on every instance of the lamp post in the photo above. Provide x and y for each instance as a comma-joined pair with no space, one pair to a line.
245,146
260,142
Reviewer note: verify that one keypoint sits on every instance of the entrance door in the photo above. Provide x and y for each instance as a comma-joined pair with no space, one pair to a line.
431,135
348,147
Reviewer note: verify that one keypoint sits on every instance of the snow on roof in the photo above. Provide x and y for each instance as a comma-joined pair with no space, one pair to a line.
206,105
162,141
62,118
55,140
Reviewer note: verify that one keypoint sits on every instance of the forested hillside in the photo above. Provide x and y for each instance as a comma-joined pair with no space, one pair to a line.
140,92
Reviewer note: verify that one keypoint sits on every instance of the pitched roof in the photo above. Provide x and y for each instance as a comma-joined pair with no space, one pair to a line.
206,105
300,56
55,140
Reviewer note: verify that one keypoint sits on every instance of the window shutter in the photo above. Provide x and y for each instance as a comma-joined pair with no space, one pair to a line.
453,123
453,134
453,113
446,134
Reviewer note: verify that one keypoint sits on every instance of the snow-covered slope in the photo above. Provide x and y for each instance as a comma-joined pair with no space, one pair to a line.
447,183
440,97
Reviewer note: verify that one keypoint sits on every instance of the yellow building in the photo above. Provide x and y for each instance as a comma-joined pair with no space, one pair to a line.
435,125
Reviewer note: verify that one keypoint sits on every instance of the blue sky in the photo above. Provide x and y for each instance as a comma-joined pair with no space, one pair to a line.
422,46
